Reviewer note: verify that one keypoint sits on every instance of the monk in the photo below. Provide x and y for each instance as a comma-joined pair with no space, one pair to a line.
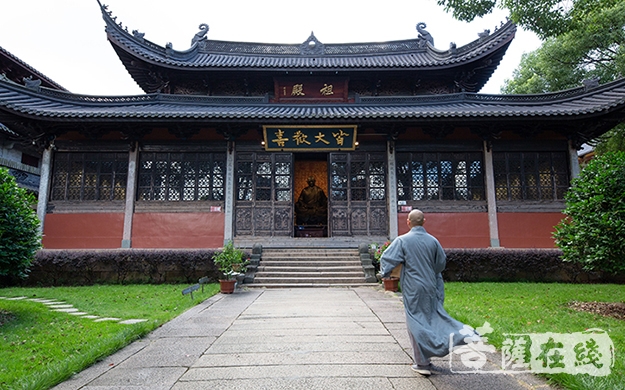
423,260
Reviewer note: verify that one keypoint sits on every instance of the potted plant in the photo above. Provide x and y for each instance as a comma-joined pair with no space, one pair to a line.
392,282
226,261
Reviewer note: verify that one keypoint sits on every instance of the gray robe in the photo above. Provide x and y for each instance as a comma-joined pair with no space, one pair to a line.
423,260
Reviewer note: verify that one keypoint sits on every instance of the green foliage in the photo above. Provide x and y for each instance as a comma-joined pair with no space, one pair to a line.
547,18
229,259
19,228
612,141
379,250
513,308
510,265
41,347
593,230
545,70
593,48
584,39
123,266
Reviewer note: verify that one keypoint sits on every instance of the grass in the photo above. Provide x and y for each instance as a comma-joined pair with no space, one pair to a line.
541,308
40,348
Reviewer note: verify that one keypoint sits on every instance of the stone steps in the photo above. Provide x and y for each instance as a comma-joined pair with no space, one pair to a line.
309,267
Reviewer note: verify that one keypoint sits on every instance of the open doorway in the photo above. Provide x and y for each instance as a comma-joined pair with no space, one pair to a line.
310,190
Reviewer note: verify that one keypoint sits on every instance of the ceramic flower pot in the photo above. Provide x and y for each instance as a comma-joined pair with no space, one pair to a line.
391,284
227,286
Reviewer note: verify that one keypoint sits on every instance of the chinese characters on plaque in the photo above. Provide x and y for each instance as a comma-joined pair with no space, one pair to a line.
309,138
333,89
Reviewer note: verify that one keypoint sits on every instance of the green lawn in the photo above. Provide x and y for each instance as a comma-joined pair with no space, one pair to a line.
541,308
40,347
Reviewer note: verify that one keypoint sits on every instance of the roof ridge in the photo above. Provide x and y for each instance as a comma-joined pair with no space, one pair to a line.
553,97
209,46
31,69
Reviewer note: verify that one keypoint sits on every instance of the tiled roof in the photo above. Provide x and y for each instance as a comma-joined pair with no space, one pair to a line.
405,54
29,69
6,130
54,105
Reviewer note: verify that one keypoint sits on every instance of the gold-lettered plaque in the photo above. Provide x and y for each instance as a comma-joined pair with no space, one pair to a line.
309,138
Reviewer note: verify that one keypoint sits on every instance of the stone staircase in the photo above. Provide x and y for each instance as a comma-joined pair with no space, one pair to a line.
309,267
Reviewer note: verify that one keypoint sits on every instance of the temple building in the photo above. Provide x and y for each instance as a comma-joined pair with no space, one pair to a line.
19,154
228,135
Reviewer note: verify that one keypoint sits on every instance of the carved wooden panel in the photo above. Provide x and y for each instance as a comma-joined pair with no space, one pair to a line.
339,220
263,194
243,221
358,194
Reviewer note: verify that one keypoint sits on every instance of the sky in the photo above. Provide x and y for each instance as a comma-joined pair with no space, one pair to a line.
65,39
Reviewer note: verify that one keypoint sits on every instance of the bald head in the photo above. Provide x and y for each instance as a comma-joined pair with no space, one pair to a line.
416,218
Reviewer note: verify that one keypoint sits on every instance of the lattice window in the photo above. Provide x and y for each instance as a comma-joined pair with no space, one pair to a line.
184,177
89,176
245,188
261,175
363,177
440,176
530,175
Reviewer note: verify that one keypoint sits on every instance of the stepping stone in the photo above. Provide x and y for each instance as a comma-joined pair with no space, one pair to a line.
60,306
91,317
78,313
108,319
131,321
15,299
68,310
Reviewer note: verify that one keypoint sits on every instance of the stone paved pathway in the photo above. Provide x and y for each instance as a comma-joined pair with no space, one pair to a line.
62,307
306,338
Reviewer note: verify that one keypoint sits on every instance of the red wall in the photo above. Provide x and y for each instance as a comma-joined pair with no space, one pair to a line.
150,230
178,230
470,230
454,230
527,230
83,230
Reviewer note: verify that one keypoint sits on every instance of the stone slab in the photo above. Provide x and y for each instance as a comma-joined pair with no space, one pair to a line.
85,377
302,357
149,378
131,321
169,352
308,347
305,337
300,371
304,384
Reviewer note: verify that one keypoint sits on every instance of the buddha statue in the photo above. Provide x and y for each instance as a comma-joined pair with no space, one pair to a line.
312,205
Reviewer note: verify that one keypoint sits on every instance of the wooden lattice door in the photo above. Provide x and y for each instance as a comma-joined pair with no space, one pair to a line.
264,194
358,194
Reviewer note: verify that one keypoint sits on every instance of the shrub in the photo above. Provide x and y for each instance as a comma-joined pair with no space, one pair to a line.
229,260
19,228
592,232
511,265
121,266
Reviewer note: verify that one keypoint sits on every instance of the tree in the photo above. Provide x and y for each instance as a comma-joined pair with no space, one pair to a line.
19,228
542,71
583,40
547,18
593,230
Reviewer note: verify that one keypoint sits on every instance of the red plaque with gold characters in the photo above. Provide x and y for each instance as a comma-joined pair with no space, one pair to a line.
307,89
